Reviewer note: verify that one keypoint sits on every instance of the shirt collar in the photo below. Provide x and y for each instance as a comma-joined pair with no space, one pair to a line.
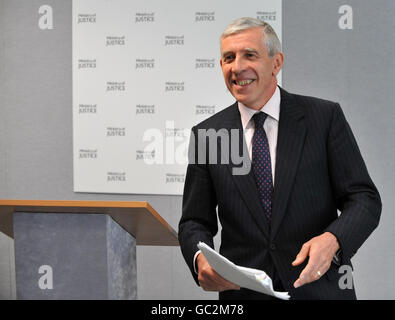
271,108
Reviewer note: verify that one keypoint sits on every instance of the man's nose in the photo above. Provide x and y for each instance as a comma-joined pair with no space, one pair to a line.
238,65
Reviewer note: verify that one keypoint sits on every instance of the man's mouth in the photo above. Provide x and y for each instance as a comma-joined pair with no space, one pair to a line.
243,82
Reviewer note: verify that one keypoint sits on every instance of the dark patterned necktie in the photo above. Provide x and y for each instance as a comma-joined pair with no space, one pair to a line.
261,164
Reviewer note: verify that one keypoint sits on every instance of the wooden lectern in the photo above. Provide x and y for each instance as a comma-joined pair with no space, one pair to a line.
80,249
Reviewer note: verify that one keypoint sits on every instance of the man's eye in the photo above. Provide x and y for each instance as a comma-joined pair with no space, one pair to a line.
228,58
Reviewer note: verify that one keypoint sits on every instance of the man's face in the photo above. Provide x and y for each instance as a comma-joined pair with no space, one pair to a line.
249,72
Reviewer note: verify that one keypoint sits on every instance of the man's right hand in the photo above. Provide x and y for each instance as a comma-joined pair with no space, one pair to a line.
210,280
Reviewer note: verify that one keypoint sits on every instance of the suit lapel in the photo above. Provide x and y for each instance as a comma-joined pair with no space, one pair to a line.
291,137
246,182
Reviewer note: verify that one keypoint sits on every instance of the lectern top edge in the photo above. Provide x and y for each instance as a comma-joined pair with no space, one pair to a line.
75,203
137,217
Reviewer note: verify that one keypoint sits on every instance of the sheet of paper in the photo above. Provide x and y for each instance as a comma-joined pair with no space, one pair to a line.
252,279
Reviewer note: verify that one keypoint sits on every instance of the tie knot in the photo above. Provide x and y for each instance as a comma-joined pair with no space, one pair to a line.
259,119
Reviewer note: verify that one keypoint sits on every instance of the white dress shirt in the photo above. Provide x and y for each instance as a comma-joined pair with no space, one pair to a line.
272,109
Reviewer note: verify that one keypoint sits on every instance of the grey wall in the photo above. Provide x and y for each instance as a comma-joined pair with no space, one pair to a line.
354,67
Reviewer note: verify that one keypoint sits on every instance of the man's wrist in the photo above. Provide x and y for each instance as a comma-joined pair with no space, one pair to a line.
337,257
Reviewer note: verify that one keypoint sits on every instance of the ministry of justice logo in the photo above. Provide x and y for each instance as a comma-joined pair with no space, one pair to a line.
86,63
145,109
204,110
145,155
175,178
115,132
204,63
204,16
87,108
266,15
171,86
174,40
116,176
115,86
174,132
145,64
87,154
86,18
115,41
144,17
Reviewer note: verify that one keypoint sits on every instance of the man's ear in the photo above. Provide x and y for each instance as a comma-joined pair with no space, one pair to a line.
278,60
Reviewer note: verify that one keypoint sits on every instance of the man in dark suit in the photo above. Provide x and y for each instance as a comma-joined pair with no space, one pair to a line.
303,164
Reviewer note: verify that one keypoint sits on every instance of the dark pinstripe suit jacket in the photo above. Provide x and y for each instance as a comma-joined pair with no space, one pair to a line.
319,169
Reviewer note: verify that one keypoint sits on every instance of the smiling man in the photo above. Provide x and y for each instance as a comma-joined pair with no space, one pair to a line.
281,216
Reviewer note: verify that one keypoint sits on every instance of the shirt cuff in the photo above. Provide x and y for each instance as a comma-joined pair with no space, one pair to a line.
194,261
337,257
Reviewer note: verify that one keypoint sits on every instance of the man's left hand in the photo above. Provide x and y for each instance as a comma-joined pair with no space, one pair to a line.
320,251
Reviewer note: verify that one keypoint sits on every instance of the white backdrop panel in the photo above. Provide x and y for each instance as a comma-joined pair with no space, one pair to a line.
144,72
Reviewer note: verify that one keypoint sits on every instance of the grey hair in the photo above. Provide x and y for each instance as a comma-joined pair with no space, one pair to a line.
272,42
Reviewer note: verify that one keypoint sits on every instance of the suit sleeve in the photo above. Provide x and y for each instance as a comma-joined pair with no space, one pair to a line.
355,194
199,220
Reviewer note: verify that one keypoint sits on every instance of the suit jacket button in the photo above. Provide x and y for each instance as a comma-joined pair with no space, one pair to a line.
272,246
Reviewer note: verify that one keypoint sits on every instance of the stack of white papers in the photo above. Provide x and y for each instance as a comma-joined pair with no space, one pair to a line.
252,279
